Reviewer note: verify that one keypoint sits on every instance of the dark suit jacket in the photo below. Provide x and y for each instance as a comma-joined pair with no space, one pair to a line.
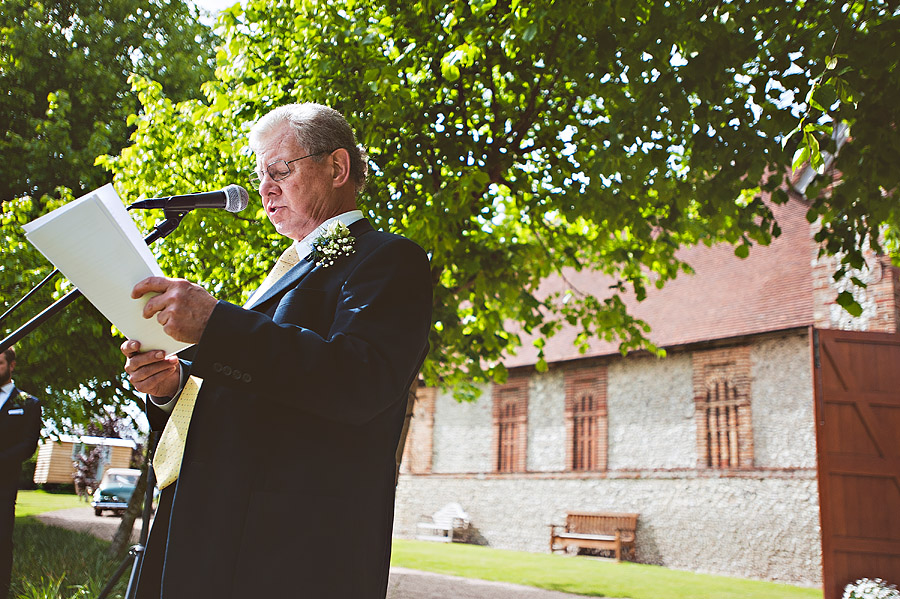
20,428
287,484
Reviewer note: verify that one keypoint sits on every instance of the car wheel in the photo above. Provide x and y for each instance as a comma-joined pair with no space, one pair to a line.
98,511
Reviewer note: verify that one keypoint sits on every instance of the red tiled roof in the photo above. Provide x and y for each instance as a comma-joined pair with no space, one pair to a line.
769,290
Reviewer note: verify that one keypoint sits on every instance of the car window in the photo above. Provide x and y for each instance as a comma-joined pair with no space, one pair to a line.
124,479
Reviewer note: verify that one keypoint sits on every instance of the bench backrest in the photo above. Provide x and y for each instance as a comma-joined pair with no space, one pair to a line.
600,522
451,516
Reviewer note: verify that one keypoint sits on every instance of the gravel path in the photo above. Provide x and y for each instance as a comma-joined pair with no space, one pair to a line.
83,519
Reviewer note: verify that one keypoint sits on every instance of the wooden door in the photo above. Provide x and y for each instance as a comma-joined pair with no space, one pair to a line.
857,392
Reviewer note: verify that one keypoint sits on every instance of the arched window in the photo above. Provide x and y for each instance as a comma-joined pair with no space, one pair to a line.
510,426
722,415
586,422
722,408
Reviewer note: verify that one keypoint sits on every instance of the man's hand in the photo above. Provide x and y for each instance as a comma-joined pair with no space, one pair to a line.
182,308
151,372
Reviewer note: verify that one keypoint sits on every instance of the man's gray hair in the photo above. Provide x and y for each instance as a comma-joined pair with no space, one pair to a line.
319,129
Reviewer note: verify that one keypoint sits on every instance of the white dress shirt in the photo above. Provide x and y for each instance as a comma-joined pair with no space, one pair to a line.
305,246
5,392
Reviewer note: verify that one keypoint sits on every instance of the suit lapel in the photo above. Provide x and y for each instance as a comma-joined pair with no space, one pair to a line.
9,402
302,268
297,272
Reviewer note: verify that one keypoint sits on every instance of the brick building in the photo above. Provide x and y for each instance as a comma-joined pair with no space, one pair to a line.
714,446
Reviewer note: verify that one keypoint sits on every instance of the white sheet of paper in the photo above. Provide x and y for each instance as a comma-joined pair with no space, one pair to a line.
96,245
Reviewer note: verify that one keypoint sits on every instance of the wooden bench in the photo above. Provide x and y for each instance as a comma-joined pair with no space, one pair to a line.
596,530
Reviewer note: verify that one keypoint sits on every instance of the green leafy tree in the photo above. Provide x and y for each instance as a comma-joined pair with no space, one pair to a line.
516,140
66,96
64,69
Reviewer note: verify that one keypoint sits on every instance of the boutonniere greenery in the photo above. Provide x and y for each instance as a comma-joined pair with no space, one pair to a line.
19,402
334,242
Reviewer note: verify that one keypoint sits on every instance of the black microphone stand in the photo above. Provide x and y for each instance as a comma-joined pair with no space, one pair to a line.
136,552
135,555
29,294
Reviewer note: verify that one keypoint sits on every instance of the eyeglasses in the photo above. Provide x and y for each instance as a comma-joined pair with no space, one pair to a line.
278,170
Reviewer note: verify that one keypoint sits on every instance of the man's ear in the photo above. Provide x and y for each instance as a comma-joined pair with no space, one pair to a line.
340,167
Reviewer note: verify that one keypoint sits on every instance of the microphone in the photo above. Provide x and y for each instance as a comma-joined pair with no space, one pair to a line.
233,198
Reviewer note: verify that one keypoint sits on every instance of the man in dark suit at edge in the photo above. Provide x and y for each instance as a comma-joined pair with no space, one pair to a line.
286,486
20,428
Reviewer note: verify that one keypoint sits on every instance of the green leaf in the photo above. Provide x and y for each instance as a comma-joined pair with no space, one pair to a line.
786,138
824,96
530,32
846,301
801,155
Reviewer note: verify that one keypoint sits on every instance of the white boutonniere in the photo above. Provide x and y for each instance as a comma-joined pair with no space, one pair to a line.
334,242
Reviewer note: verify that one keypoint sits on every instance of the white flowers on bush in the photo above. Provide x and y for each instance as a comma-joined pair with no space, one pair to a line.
334,242
867,588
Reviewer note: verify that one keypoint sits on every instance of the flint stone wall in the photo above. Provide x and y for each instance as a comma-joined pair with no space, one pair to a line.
754,528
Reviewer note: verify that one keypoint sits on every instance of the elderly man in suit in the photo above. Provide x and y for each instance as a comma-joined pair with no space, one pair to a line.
286,481
20,428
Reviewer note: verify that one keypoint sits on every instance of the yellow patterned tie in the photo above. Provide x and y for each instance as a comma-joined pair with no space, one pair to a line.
170,449
286,262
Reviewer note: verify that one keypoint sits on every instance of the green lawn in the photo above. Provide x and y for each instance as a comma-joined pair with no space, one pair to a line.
55,563
583,575
29,503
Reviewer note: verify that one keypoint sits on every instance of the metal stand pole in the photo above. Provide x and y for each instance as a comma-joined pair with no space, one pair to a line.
136,552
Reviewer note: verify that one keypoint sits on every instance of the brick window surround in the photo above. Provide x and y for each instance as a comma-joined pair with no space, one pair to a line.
721,379
510,415
419,449
586,420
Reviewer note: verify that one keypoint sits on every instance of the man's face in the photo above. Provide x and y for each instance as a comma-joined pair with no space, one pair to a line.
303,200
5,369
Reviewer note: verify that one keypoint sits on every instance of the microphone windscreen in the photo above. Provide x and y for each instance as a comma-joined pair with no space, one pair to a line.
236,198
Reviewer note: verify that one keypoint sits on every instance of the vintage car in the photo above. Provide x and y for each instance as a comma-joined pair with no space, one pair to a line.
115,490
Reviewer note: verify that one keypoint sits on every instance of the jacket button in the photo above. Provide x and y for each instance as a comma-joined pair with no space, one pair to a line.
217,367
236,375
226,370
246,378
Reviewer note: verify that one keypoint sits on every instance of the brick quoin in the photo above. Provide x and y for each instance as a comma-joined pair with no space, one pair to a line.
886,294
419,450
882,289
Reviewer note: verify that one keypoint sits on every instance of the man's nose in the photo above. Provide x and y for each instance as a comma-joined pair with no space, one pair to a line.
267,185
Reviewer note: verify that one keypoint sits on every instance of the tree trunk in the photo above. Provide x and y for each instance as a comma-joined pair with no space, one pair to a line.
404,433
122,539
